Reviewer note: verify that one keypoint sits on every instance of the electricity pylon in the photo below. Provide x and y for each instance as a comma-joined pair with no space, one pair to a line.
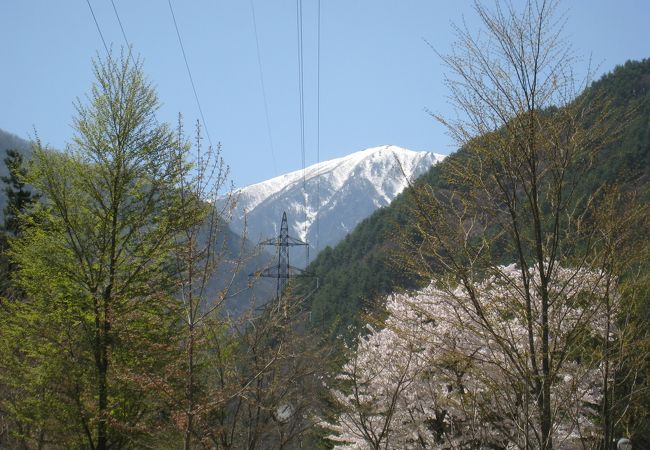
283,270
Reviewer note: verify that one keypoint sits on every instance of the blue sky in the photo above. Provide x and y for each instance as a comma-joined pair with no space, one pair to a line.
377,74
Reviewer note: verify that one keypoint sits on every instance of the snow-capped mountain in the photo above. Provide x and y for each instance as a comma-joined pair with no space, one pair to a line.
338,194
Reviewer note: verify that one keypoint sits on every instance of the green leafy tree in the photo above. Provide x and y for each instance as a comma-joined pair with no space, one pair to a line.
90,345
19,199
19,196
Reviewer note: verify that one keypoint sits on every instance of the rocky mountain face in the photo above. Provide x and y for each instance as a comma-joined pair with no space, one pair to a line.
327,200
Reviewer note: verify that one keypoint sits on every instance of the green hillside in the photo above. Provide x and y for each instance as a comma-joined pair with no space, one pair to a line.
359,271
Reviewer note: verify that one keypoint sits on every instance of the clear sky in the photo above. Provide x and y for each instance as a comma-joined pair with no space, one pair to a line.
377,74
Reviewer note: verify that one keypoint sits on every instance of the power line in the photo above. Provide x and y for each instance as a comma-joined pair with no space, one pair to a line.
301,89
301,95
126,41
266,107
130,49
128,44
121,27
318,128
98,28
189,72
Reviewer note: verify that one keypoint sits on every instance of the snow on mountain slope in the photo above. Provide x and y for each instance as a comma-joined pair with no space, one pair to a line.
338,194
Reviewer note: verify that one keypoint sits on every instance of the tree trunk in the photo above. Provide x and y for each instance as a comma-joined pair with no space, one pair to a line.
189,393
102,382
103,403
545,410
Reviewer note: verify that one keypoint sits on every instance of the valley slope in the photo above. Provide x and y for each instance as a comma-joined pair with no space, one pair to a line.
359,272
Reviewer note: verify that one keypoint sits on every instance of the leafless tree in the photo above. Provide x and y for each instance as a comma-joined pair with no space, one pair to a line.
528,136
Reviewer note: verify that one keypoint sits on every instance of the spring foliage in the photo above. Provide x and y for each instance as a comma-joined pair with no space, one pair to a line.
93,264
435,377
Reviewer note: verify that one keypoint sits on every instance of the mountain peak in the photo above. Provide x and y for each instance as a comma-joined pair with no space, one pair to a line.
325,201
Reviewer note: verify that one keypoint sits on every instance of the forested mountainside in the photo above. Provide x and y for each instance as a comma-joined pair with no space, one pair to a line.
357,273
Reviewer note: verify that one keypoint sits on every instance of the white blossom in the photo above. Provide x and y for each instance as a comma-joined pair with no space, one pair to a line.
453,367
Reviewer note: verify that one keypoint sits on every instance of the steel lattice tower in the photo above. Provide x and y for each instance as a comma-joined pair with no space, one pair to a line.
283,270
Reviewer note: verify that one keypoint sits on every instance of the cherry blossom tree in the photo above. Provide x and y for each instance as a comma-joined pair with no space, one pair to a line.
436,377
